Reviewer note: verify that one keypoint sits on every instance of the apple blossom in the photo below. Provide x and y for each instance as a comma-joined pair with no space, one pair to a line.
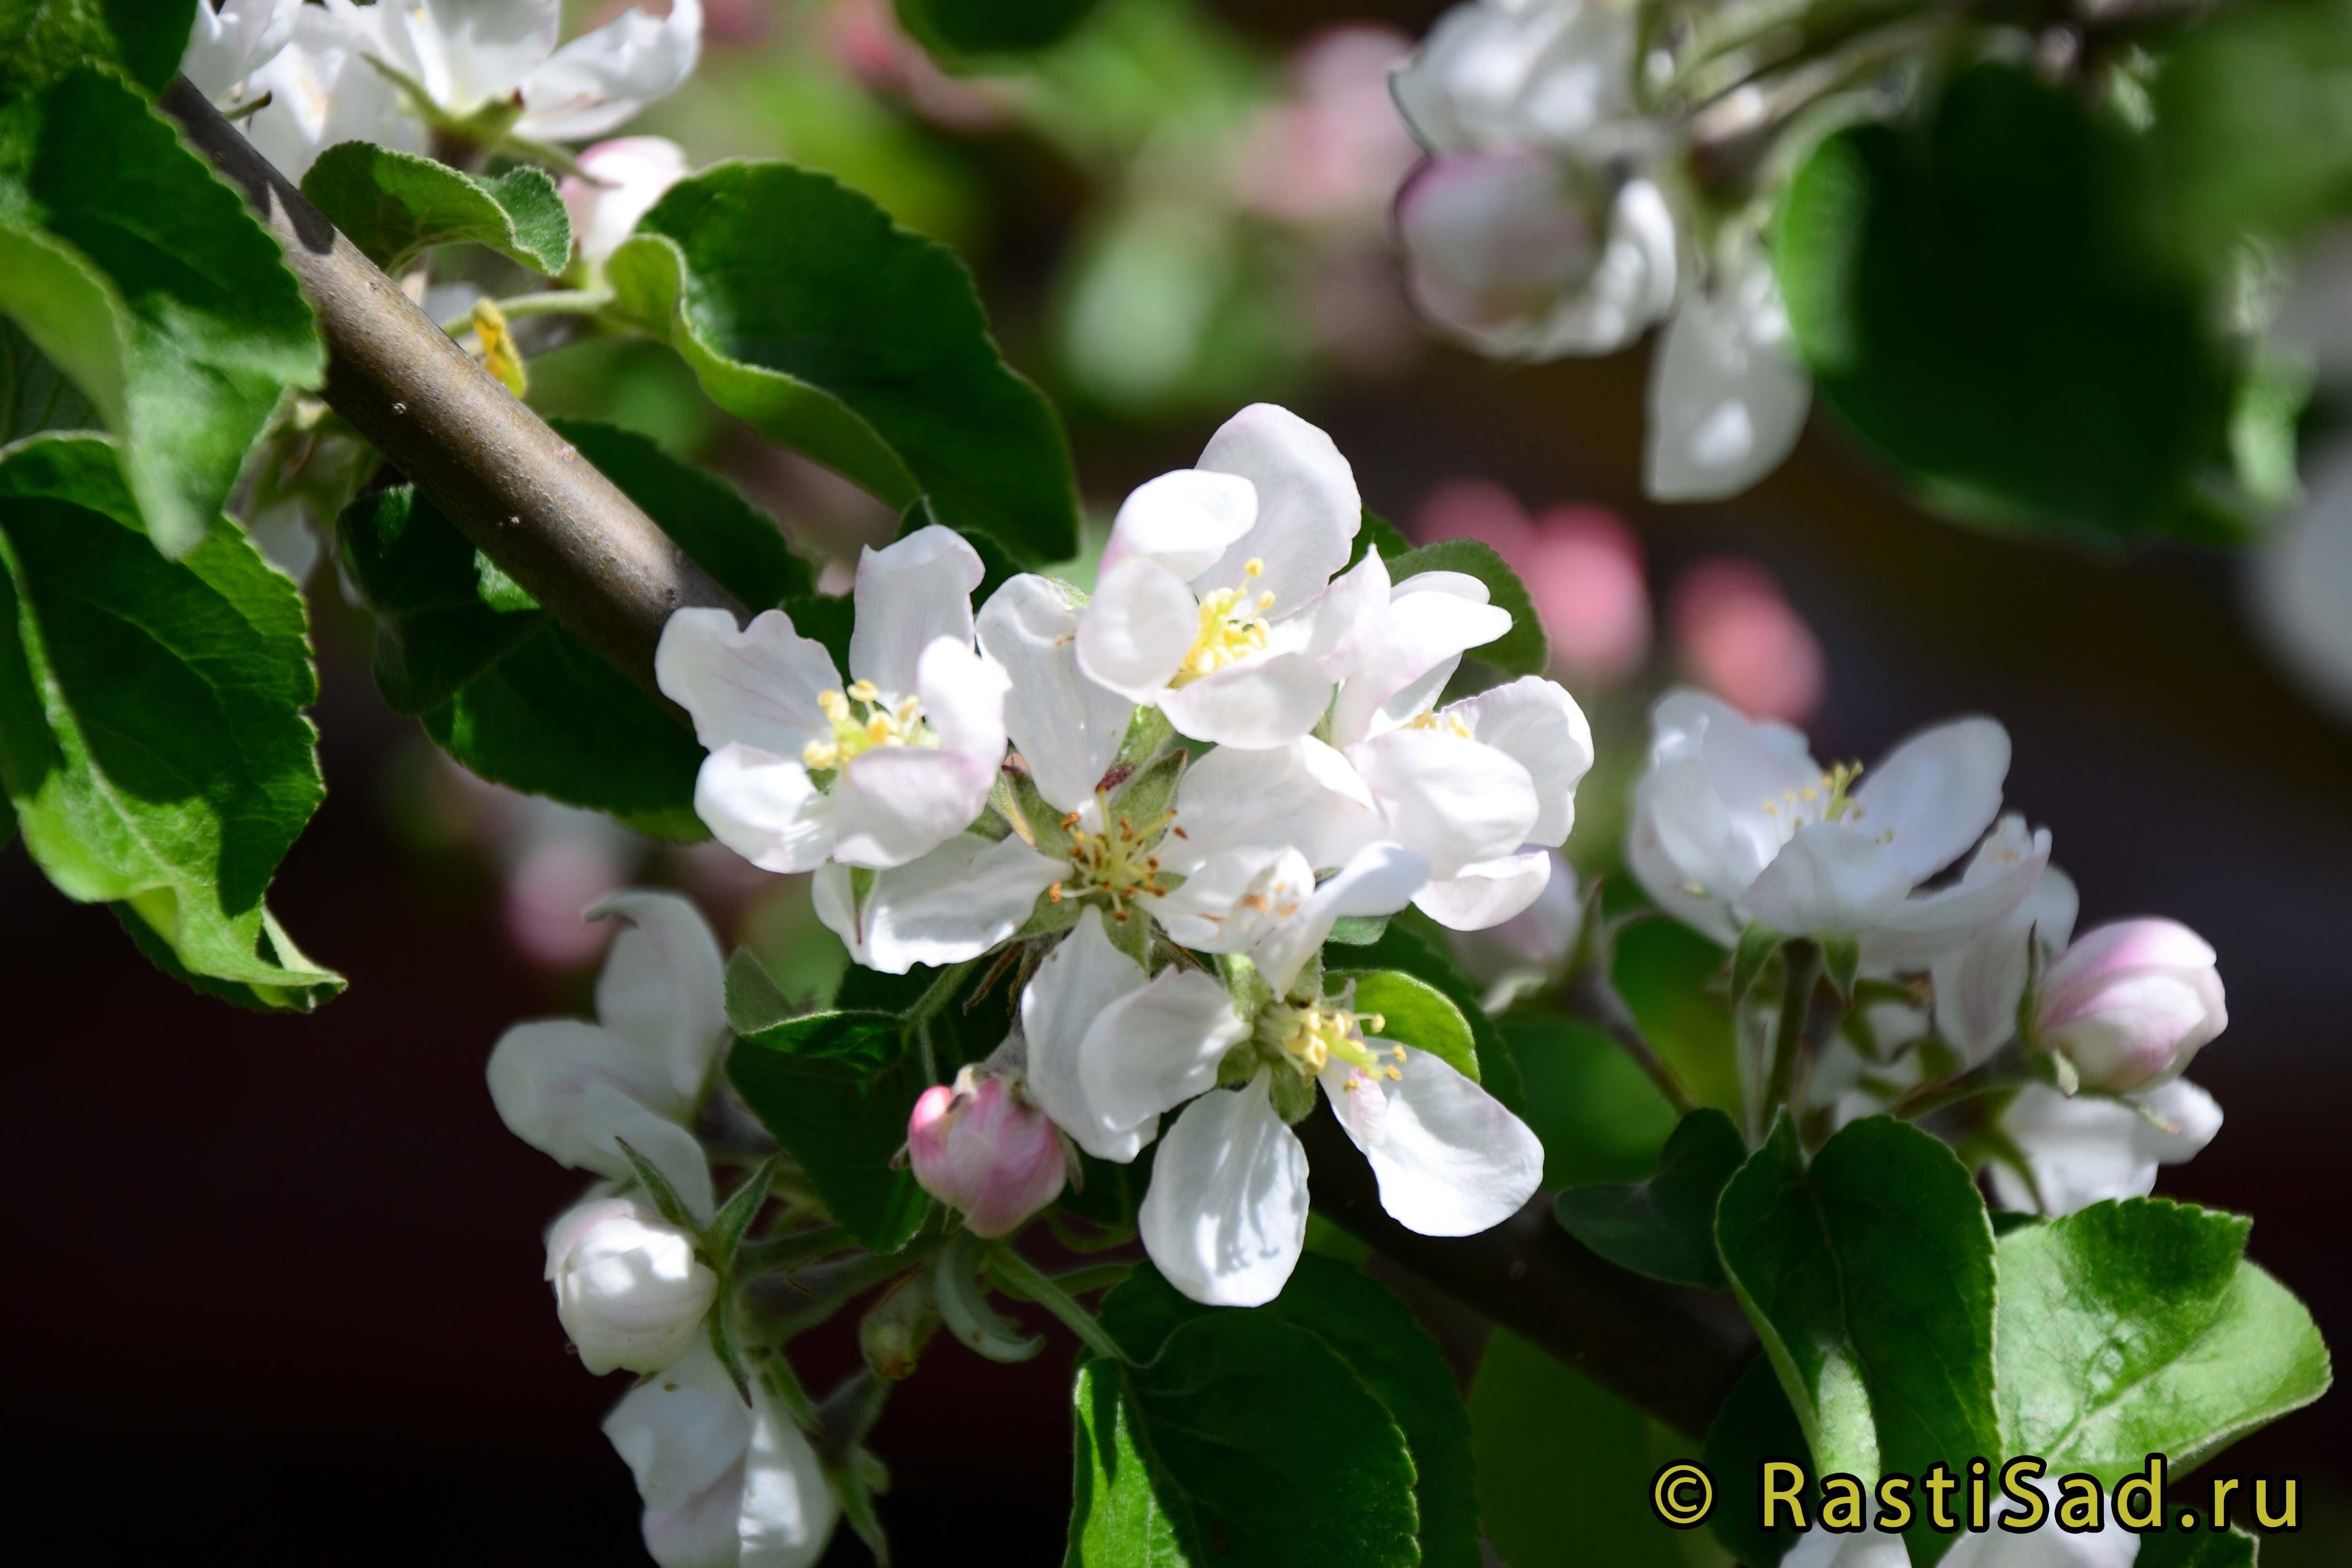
806,767
619,181
2131,1004
2091,1148
227,45
1506,73
1197,608
984,1149
1531,948
322,90
628,1287
1728,393
1979,986
725,1485
577,1091
1734,822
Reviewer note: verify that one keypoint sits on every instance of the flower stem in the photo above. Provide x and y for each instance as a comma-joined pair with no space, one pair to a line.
550,302
1593,998
777,1251
1803,970
1020,1277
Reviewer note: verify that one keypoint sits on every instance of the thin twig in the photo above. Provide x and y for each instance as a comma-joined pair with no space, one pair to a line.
1593,999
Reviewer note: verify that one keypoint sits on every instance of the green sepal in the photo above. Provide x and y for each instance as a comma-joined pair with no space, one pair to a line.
395,206
1144,798
1664,1227
963,1305
725,1236
664,1196
1757,944
1357,931
1841,962
1294,1096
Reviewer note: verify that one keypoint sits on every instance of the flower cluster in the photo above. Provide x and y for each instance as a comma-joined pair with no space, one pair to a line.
2081,1046
1549,218
1169,793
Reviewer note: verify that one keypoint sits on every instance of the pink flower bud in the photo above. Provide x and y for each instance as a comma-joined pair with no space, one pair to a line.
2129,1004
986,1150
1744,642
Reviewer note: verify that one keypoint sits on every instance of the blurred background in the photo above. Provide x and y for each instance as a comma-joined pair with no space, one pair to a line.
293,1307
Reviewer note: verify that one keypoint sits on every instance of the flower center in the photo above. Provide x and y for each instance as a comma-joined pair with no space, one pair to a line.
1233,627
862,720
1448,723
1118,862
1825,800
1309,1038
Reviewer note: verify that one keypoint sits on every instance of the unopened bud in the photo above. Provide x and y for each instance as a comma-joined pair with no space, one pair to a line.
986,1150
628,1287
2129,1004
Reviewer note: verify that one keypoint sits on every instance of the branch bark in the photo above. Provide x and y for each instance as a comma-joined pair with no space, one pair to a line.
1673,1351
518,490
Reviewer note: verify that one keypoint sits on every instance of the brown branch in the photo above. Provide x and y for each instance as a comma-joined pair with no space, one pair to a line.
1673,1351
518,489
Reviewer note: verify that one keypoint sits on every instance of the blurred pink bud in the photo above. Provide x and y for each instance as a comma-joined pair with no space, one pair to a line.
1336,146
1494,241
2129,1004
557,878
865,39
983,1149
1745,642
623,179
1581,565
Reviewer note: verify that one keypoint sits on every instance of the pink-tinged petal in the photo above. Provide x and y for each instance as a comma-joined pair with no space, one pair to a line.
1926,928
1450,1160
1225,1219
1828,881
1151,1051
1135,633
1537,722
954,903
765,808
986,1151
2132,1004
1302,795
1182,521
757,686
2119,946
1936,793
895,803
963,695
908,595
1379,880
1451,799
1978,986
1066,727
1075,985
619,183
664,984
1308,507
1268,699
2087,1150
1487,893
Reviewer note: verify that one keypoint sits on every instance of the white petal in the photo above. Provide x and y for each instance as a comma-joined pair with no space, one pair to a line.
788,1513
1267,700
681,1432
1450,1159
1536,721
1487,892
765,808
574,1090
757,686
624,177
963,694
1754,778
664,984
1727,395
321,91
2087,1150
896,804
1227,902
1080,978
1149,1051
1453,800
1978,986
1381,880
1308,507
1936,793
1225,1219
601,79
226,46
467,53
1827,880
1182,521
954,903
909,595
1302,795
1135,633
1067,728
1926,928
1668,884
2049,1546
1416,635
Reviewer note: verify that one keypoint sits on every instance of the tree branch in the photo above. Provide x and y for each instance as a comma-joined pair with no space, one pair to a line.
518,489
1673,1351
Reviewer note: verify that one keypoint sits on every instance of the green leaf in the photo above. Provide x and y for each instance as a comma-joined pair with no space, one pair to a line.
1357,931
707,517
152,736
1376,1335
1962,295
956,30
1841,962
144,279
1522,650
807,312
1403,947
35,396
1248,1441
754,1000
1415,1013
1755,1425
1664,1228
42,40
1376,530
836,1089
395,206
2195,1549
2138,1327
1870,1279
741,1207
1564,1467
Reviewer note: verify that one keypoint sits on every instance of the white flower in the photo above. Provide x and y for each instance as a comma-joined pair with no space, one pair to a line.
1225,1217
628,1287
1517,73
2300,581
1197,610
805,767
226,46
724,1486
1979,986
623,179
472,55
1734,822
322,92
576,1090
1727,395
2092,1148
2131,1004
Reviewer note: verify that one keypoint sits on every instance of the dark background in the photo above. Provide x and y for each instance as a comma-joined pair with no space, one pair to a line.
276,1292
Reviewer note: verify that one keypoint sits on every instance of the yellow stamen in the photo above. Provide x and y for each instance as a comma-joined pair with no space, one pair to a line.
1310,1039
862,720
1233,627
